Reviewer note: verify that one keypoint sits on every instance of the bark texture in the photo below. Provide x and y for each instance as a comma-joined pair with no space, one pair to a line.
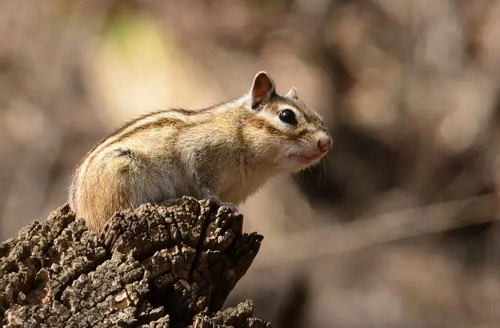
153,266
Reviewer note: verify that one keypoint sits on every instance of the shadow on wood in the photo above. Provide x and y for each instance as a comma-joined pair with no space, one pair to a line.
153,266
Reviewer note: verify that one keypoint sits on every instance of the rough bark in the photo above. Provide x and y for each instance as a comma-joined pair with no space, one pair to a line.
153,266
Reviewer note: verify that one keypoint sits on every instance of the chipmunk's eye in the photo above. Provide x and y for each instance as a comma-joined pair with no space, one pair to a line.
288,116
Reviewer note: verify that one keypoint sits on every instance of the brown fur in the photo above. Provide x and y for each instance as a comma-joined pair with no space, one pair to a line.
227,151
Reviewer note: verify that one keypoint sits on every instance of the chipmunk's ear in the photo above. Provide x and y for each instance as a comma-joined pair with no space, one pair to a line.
262,89
292,94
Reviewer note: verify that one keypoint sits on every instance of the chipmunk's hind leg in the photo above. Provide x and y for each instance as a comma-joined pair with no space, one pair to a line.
107,187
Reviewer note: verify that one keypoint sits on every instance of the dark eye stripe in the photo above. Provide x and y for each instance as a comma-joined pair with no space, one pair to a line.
264,124
307,115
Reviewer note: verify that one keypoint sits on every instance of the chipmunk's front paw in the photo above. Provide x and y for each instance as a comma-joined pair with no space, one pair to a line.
232,207
171,202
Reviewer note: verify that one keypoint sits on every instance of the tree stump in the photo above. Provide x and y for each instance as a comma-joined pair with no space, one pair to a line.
152,266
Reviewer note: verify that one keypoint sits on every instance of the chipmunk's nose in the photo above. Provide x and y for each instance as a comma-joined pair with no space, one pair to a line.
324,143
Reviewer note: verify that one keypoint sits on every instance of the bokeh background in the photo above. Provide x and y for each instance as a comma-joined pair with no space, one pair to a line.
396,228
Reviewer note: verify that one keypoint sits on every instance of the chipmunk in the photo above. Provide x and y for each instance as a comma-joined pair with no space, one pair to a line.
224,153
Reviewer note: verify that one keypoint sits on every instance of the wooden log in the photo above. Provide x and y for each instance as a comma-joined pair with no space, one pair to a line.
152,266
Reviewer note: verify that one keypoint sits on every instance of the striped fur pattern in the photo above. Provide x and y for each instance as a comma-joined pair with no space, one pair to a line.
226,151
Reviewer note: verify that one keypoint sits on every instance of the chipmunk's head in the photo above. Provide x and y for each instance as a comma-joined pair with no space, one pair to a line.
286,132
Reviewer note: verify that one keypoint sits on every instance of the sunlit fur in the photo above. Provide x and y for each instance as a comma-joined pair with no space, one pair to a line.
228,151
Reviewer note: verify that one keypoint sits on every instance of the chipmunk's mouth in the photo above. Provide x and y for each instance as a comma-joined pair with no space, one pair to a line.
306,160
308,154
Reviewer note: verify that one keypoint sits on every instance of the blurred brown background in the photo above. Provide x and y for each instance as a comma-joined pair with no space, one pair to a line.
396,228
